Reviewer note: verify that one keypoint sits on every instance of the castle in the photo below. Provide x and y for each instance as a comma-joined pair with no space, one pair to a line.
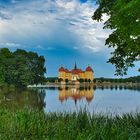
76,74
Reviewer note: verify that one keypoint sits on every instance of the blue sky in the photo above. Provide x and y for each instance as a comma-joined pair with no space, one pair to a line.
61,30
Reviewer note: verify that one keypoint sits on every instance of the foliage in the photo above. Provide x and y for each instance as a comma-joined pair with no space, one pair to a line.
60,79
21,68
89,80
124,21
86,80
34,124
52,79
135,79
66,80
81,80
94,80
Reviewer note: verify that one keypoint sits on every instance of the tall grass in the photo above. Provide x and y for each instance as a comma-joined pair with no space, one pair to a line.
35,125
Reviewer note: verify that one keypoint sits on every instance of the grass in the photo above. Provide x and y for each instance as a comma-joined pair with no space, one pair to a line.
35,125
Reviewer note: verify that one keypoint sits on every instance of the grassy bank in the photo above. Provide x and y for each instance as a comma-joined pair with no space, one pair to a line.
26,124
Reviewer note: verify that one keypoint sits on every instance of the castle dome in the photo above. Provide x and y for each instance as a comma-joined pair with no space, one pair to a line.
89,69
61,69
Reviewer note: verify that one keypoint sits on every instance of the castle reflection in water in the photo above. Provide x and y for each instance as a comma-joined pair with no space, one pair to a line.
76,93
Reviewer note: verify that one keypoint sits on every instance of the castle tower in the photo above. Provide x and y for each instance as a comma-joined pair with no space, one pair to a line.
89,73
75,67
61,74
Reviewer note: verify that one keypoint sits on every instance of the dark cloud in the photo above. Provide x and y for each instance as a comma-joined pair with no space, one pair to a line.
5,16
52,10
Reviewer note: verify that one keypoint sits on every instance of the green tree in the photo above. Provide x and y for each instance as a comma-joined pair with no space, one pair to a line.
31,66
124,21
94,80
2,78
86,80
102,79
66,80
81,80
5,65
21,68
89,80
60,79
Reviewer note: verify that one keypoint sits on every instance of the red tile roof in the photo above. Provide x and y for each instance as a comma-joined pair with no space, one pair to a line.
89,69
76,71
61,69
66,70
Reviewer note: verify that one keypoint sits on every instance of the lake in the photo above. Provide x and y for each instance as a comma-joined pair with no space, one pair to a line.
73,99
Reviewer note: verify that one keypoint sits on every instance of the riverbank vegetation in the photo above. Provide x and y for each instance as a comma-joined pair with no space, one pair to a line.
134,79
21,68
34,124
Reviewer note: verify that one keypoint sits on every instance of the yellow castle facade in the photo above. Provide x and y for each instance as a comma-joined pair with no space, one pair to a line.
76,74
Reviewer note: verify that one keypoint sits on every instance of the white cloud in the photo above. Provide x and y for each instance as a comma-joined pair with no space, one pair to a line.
11,45
35,21
44,48
76,48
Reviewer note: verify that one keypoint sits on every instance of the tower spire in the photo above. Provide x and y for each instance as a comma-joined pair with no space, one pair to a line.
75,67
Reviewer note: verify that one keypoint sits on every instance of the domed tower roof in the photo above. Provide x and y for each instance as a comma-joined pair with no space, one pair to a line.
89,69
61,69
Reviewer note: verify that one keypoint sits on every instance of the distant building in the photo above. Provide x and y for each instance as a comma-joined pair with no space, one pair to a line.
76,74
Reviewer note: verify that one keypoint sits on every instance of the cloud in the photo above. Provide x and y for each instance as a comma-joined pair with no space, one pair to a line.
11,45
61,23
45,48
5,15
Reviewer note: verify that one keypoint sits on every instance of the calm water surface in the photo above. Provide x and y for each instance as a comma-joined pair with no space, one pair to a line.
70,99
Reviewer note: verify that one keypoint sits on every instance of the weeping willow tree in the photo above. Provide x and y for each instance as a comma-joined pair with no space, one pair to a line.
124,21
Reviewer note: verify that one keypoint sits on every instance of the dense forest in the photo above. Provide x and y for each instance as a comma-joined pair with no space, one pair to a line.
21,68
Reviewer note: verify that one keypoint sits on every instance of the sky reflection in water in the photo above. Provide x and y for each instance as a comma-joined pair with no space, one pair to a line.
72,99
98,101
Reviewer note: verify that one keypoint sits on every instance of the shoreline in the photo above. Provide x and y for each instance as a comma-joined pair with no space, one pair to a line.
96,85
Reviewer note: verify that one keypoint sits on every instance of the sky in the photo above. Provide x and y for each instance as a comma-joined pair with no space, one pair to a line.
60,30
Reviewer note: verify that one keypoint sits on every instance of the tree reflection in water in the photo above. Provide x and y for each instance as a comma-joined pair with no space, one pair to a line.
14,99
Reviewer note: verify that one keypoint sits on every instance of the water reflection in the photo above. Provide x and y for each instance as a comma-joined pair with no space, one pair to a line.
14,99
75,93
116,100
72,98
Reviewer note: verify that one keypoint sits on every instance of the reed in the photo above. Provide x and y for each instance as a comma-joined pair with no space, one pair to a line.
35,125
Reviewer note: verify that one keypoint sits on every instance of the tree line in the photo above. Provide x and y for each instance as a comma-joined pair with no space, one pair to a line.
135,79
56,79
21,68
